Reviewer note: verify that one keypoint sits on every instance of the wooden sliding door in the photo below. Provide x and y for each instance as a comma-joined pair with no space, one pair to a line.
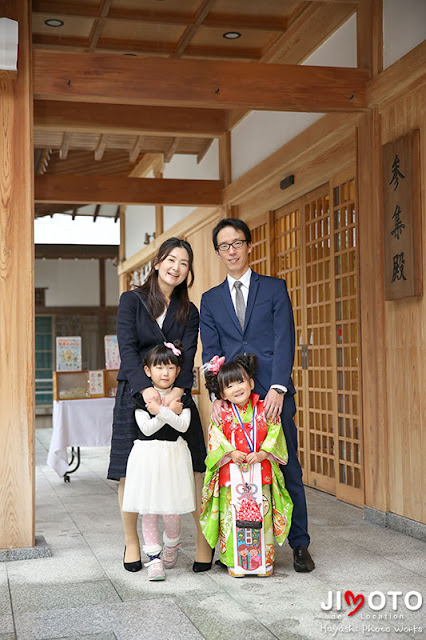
314,248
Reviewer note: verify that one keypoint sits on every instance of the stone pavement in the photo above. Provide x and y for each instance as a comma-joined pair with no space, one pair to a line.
82,590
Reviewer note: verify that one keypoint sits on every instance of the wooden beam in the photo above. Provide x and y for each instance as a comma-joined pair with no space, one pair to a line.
145,47
102,143
370,36
204,151
99,24
43,161
72,251
136,149
17,347
104,189
148,162
406,74
170,151
128,119
235,22
97,209
225,166
197,83
63,151
41,210
306,31
159,210
122,14
191,29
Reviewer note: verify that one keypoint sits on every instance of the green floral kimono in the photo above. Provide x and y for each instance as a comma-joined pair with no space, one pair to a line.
216,508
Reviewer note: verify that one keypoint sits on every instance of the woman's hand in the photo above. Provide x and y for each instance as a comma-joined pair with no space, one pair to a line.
150,394
174,394
254,457
238,456
217,410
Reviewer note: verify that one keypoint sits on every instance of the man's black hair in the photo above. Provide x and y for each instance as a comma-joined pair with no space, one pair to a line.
239,225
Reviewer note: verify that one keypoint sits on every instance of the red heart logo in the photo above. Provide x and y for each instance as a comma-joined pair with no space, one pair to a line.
359,598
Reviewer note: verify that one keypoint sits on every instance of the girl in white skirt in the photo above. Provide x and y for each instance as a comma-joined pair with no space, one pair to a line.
159,476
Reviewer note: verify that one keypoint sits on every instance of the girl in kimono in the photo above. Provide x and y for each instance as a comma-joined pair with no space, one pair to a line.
244,436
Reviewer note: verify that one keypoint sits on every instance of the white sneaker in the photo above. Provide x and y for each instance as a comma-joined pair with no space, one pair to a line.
170,556
155,570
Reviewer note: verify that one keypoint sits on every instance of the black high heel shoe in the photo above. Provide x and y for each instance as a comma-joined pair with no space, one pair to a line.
132,566
198,567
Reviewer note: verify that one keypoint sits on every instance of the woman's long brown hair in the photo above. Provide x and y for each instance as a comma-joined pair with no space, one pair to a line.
151,289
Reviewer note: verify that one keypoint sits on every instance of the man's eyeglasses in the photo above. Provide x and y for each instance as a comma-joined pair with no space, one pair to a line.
225,246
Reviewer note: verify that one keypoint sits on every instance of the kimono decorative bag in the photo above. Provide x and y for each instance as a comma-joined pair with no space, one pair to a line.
248,515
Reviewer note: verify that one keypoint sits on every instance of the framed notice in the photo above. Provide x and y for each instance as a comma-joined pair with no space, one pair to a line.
112,355
96,384
68,353
402,217
195,381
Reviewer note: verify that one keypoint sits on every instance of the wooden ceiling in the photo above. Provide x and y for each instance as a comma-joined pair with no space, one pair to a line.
88,137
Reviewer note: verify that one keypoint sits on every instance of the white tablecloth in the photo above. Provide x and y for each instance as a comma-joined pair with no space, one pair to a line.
79,423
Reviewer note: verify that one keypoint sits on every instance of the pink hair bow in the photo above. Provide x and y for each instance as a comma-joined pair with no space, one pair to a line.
214,365
171,346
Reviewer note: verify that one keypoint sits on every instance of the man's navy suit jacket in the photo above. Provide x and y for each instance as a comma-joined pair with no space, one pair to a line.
268,329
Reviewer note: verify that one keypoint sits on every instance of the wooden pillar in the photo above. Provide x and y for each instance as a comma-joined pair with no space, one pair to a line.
372,311
17,388
225,167
370,35
123,279
159,211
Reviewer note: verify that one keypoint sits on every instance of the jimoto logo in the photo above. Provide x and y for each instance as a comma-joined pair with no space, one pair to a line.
375,600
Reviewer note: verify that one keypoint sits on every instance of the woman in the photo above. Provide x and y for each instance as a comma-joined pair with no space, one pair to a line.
157,311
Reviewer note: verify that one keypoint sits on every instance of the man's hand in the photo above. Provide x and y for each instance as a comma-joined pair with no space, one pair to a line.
273,404
153,407
217,410
254,457
176,406
174,394
238,456
150,394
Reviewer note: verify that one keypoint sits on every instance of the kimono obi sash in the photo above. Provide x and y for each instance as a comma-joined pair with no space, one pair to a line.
233,432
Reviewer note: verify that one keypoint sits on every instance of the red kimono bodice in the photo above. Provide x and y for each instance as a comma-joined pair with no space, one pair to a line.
233,432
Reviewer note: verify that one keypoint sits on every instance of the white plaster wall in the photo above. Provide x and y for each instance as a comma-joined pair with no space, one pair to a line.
404,27
263,132
140,219
69,282
111,284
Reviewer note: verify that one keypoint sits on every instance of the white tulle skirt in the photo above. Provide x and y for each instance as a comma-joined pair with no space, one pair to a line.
159,478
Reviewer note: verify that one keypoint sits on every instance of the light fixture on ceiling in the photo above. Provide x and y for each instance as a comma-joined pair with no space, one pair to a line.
54,22
232,35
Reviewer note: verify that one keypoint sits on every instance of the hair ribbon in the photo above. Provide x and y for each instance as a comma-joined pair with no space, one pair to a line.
176,351
214,365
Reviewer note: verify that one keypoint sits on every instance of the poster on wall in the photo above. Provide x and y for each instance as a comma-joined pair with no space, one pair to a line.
68,353
112,355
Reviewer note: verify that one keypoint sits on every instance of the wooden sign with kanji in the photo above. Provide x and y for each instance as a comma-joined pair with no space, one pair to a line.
402,217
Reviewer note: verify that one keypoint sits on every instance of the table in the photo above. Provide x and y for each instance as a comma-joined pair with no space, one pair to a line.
78,423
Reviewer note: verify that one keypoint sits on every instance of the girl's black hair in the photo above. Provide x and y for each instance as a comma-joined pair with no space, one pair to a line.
160,354
243,365
151,288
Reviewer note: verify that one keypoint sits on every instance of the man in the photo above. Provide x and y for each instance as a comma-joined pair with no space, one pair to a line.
250,313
